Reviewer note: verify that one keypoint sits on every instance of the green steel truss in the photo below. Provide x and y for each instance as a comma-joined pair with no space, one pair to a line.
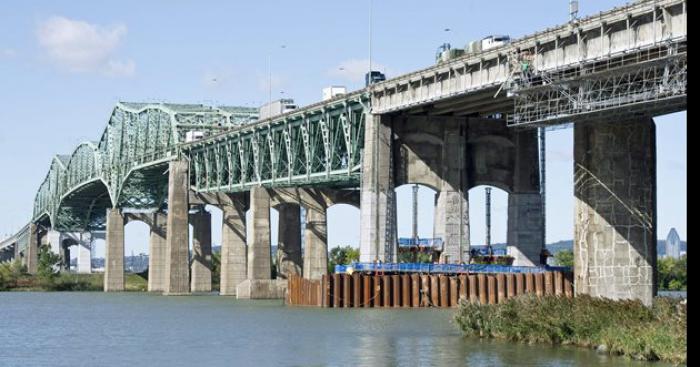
319,145
126,167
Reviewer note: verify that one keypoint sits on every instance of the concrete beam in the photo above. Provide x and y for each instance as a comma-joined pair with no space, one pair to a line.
315,244
32,252
177,280
615,202
84,258
259,258
201,252
114,252
377,188
157,252
289,260
234,253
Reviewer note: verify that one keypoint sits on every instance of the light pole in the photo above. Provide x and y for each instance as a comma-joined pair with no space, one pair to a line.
269,76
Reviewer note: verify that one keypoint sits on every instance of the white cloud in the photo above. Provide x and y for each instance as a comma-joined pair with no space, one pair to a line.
79,46
354,70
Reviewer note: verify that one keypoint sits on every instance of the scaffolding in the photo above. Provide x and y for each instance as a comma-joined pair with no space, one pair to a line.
647,81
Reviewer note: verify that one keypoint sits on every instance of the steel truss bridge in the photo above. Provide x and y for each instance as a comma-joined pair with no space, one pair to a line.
628,60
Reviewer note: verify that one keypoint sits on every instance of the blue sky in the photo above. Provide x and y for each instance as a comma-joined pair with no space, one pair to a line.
64,64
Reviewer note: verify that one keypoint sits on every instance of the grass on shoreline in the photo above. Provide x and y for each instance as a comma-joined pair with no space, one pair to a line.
74,282
625,328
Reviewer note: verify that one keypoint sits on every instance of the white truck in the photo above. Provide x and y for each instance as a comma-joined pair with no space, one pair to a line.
446,53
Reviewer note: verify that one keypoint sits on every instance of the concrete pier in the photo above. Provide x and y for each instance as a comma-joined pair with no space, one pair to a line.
376,188
177,279
615,202
32,251
114,252
84,258
315,243
289,260
157,252
65,258
201,252
259,258
234,254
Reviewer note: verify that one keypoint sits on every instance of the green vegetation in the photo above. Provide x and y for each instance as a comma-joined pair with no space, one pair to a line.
11,273
673,273
342,256
415,257
621,327
564,258
497,260
14,276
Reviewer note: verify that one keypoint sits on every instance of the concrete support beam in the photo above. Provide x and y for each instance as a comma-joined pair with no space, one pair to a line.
525,230
259,258
65,258
114,252
289,260
201,252
55,241
177,280
376,188
157,252
524,235
315,243
615,209
452,225
84,258
32,251
234,254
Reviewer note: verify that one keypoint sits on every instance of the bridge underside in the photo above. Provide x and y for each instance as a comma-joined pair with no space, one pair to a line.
83,209
145,188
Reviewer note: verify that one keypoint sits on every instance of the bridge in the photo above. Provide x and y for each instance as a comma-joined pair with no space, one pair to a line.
465,122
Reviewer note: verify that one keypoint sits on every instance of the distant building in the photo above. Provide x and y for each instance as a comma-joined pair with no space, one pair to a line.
673,244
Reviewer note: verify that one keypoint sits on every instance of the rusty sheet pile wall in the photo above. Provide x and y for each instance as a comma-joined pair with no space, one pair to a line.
422,290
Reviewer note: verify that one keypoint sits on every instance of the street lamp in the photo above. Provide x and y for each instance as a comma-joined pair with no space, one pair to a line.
269,74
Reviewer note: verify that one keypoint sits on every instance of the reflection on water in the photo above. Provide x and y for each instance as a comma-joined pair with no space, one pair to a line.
98,329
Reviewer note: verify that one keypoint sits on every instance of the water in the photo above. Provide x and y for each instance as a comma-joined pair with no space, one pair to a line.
132,329
674,294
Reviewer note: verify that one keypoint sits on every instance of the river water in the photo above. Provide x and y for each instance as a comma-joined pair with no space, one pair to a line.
136,329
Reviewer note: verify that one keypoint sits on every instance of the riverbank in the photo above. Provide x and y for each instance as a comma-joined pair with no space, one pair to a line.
70,282
625,328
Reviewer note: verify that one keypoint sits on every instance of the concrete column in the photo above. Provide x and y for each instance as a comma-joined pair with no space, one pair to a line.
316,244
32,251
201,252
157,253
524,235
234,253
84,263
177,278
289,241
376,188
259,258
615,209
452,224
55,241
65,258
114,252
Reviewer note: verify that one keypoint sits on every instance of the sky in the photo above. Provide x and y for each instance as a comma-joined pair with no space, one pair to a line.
64,65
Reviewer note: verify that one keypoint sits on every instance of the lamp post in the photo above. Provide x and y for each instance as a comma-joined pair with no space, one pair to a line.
269,75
